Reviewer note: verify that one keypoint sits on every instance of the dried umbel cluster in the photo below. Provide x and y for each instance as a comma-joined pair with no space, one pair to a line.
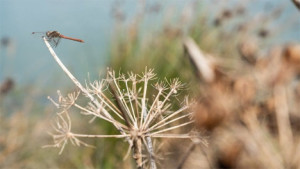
126,103
252,114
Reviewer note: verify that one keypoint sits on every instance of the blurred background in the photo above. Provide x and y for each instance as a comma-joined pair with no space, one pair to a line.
125,35
23,56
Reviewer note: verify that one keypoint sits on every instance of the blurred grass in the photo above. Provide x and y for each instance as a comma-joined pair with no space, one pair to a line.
24,125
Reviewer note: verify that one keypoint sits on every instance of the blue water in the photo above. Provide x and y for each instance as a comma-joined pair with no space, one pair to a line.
90,20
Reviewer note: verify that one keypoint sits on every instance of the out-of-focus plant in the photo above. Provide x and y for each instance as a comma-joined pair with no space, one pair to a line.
210,24
251,116
235,40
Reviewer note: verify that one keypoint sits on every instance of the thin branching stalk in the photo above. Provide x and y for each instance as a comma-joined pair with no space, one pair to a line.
78,84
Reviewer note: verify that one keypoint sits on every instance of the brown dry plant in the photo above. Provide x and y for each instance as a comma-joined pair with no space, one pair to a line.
251,114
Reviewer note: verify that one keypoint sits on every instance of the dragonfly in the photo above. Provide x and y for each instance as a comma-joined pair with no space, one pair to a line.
54,37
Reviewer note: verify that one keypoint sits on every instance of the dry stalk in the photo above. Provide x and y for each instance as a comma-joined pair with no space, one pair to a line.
297,3
199,60
284,125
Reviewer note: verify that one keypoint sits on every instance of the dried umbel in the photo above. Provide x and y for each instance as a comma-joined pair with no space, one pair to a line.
124,101
139,113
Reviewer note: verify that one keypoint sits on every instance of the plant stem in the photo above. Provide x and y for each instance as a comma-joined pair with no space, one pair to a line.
77,83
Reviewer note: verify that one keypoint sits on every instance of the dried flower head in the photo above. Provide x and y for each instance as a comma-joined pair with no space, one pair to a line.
125,102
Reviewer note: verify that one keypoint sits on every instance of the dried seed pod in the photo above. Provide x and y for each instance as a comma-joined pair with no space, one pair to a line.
218,22
245,89
6,86
208,115
248,51
226,14
212,110
228,155
291,54
263,33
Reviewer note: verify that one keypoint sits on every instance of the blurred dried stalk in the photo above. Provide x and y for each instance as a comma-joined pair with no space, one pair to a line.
198,59
10,145
296,3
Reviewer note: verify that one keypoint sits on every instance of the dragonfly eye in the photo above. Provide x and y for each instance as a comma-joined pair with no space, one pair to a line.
48,34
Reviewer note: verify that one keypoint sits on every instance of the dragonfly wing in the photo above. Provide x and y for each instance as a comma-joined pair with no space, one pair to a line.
56,41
